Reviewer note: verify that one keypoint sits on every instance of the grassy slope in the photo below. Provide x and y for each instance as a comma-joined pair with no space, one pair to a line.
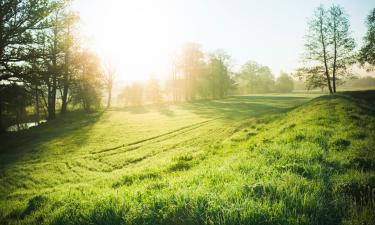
236,161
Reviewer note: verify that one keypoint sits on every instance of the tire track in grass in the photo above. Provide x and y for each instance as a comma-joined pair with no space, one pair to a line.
148,155
175,132
78,168
132,146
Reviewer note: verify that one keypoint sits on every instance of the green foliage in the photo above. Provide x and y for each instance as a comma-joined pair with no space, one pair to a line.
367,52
218,78
255,78
86,89
284,83
241,160
132,94
329,49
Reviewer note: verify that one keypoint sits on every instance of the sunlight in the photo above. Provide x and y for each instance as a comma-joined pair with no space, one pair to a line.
138,38
199,112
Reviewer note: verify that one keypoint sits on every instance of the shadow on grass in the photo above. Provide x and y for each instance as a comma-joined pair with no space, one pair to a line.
75,124
234,107
240,107
163,109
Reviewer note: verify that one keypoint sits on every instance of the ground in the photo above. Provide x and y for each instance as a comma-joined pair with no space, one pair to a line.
272,159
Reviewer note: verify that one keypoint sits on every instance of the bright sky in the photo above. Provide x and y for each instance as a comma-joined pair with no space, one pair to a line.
140,36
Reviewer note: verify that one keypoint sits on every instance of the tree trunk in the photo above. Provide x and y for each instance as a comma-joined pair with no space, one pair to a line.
37,117
334,58
2,129
18,119
109,95
53,89
52,99
64,97
325,58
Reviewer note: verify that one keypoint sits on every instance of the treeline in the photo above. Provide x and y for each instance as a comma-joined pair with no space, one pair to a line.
255,78
43,67
360,83
198,75
45,70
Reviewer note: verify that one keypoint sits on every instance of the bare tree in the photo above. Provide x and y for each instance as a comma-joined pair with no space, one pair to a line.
343,43
329,47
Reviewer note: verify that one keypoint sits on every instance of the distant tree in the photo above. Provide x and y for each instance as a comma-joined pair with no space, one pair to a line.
132,94
109,77
174,83
367,52
329,47
366,82
312,77
255,78
191,65
153,90
88,84
219,80
284,83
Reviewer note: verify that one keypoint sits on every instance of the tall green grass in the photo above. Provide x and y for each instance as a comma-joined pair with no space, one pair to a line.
245,160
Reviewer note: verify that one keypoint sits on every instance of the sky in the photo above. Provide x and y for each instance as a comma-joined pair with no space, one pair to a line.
139,37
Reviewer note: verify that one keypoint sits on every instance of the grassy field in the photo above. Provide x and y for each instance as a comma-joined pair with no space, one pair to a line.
273,159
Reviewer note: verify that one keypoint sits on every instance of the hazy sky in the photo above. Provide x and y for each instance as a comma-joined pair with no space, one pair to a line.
140,36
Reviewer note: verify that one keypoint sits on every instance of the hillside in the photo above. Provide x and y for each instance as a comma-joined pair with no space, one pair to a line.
242,160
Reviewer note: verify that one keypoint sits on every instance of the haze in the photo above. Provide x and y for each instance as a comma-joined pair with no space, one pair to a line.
140,37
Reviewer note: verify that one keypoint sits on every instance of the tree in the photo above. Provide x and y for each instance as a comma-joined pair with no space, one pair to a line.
15,99
255,78
18,22
87,83
68,45
367,52
312,77
153,90
343,44
191,65
219,80
109,76
329,47
284,83
132,94
53,57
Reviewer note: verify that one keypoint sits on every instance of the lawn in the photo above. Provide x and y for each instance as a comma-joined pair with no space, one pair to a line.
271,159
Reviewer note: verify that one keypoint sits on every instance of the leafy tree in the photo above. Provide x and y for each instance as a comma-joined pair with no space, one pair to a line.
69,44
343,44
132,94
255,78
191,65
284,83
367,52
153,90
329,48
15,99
219,80
88,81
19,21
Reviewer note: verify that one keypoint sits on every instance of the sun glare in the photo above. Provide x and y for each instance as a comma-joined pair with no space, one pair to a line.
139,38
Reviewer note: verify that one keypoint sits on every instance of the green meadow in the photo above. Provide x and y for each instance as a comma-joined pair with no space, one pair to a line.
260,159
